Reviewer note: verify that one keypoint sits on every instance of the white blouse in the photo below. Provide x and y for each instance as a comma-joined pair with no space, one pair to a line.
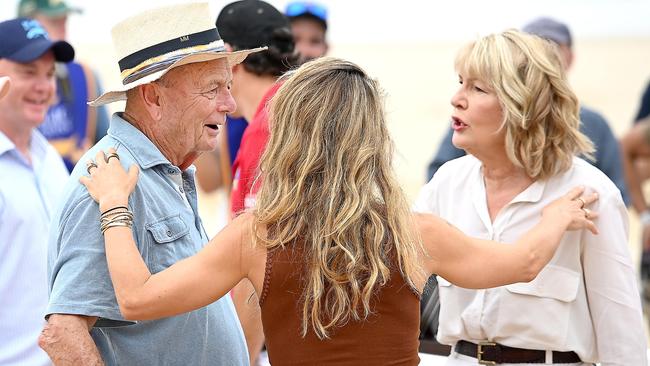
585,300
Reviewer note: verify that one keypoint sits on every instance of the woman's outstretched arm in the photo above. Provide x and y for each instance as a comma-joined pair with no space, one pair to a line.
477,263
189,284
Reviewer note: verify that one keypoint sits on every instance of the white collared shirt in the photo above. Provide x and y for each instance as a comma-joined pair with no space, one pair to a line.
585,300
28,199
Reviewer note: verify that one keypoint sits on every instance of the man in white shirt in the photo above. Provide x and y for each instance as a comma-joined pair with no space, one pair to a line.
32,176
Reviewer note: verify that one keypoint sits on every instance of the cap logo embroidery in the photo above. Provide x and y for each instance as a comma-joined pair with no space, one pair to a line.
33,29
185,38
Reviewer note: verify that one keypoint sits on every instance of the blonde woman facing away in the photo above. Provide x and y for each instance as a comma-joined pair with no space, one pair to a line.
516,115
332,249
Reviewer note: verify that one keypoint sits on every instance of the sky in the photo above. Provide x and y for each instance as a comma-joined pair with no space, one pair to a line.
365,21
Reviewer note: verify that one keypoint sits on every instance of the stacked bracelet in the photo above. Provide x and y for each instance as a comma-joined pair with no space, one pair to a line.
116,217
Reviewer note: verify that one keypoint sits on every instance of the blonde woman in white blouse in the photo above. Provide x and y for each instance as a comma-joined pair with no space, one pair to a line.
517,118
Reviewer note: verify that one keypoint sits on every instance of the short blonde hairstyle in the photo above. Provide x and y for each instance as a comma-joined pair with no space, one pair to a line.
541,112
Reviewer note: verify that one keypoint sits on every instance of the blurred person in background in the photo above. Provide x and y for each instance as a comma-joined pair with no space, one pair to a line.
249,24
636,162
607,156
636,154
32,177
70,125
517,118
309,28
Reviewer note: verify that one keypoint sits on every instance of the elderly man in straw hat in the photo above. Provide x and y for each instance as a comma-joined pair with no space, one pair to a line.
176,75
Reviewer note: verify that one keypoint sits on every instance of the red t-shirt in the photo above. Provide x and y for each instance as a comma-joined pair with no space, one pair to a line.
245,169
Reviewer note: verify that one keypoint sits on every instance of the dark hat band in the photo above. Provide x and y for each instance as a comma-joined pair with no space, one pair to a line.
155,67
190,40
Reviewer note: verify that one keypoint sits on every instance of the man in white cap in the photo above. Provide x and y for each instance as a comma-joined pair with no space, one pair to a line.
32,177
176,74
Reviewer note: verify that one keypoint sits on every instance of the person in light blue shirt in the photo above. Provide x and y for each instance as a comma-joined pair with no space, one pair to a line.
607,157
177,91
169,229
32,176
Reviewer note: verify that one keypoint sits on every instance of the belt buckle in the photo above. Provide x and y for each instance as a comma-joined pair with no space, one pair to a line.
479,353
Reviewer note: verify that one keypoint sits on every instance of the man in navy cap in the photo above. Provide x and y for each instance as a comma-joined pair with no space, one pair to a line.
32,176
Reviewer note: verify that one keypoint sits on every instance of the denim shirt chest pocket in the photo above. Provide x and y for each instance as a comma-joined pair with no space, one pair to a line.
169,241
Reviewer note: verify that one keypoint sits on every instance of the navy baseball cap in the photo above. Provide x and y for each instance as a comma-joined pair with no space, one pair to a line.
24,40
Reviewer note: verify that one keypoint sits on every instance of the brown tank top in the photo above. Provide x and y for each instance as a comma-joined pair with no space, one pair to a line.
389,336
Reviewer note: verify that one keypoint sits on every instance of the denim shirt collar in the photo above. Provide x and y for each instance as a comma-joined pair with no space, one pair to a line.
143,150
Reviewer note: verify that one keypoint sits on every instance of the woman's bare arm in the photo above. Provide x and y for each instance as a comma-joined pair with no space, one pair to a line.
189,284
477,263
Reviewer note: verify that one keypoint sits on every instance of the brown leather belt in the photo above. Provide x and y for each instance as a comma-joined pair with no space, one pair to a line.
490,353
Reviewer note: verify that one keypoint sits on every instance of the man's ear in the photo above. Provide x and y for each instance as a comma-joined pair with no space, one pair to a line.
152,99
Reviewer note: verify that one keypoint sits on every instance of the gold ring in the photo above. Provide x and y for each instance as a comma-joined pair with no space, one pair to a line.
587,213
583,203
112,155
90,164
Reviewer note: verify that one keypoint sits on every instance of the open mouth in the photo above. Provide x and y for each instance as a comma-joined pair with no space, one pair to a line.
457,123
213,127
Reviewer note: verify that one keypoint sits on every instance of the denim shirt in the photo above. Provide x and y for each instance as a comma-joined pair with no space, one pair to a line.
166,229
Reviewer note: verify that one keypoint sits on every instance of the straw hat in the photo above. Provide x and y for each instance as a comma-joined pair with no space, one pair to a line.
153,42
4,85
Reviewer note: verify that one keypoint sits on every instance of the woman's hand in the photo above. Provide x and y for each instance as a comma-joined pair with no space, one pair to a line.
109,184
573,208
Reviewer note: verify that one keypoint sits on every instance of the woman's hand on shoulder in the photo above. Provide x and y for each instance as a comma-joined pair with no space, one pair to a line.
573,207
107,182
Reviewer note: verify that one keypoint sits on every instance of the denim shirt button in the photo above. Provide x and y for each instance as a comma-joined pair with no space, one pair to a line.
169,233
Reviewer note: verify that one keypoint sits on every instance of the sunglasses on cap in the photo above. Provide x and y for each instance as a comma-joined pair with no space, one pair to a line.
298,8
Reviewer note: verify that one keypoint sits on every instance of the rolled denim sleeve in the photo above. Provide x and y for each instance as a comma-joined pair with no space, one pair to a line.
78,273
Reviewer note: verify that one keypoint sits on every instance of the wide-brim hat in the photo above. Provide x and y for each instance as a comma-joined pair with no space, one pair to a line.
153,42
4,86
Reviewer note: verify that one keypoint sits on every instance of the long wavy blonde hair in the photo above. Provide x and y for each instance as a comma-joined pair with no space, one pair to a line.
328,183
541,112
